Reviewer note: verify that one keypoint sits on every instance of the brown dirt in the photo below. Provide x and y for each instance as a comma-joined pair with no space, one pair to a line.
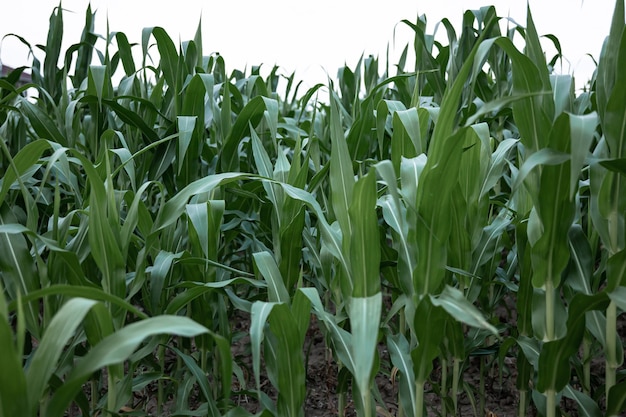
501,395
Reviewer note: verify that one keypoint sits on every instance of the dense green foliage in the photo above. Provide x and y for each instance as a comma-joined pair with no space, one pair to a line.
139,217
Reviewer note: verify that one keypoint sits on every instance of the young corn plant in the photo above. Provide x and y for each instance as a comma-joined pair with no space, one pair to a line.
607,189
143,220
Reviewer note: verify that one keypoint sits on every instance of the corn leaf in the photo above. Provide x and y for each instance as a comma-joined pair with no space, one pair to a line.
115,349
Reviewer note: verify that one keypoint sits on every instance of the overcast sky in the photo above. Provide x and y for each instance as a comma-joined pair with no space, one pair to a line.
305,36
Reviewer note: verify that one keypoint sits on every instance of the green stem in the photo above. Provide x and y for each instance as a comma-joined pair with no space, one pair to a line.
160,394
550,403
419,399
550,333
586,382
522,404
611,346
444,386
456,373
111,397
94,394
366,400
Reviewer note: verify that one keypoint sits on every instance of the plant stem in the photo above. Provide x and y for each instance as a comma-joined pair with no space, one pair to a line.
419,398
366,400
550,335
161,356
94,394
611,346
456,371
586,356
551,403
111,397
444,386
522,403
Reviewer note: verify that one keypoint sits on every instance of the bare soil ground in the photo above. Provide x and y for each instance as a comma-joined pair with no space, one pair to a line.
501,398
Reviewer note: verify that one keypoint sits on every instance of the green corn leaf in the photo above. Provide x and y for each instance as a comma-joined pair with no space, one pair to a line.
617,296
193,105
546,156
291,241
250,115
606,201
385,109
103,235
159,277
429,327
291,373
607,65
342,340
401,358
115,349
582,129
23,162
433,209
301,310
56,336
76,291
580,278
206,219
129,165
563,91
586,405
259,313
186,126
364,313
616,402
534,51
134,218
331,237
125,52
496,165
169,58
53,51
265,169
410,173
99,83
13,388
556,211
454,302
406,138
199,375
277,292
41,122
17,268
341,173
365,239
616,165
554,359
533,115
197,289
130,117
531,349
171,210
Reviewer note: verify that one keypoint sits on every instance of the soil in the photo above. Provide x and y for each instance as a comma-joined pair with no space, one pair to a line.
322,399
501,395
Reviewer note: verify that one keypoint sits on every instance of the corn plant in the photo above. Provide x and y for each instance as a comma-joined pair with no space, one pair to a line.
153,227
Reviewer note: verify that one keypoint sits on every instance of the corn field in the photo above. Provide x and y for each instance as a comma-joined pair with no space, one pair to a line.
172,233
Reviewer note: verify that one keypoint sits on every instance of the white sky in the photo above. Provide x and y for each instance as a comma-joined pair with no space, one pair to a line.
305,36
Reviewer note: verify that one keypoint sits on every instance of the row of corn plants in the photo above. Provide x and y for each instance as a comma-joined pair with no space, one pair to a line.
400,207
